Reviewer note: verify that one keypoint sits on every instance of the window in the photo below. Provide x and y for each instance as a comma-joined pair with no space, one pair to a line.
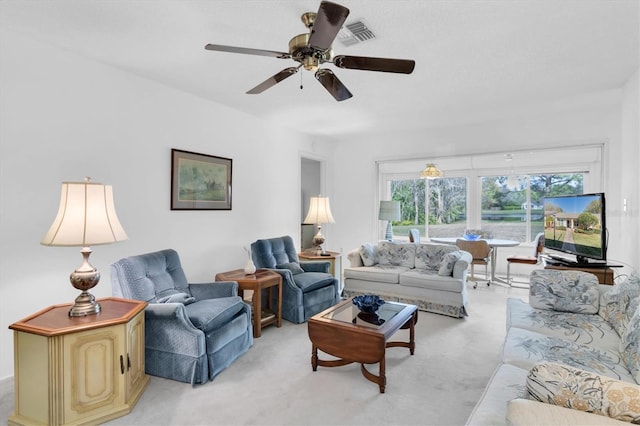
436,207
484,191
512,205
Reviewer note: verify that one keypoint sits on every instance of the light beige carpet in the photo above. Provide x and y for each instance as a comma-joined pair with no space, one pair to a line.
273,383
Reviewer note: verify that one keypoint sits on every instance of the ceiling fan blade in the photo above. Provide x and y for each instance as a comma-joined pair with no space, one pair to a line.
328,22
272,81
401,66
247,51
328,79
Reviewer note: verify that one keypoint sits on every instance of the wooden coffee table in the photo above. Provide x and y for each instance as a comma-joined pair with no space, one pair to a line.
340,332
256,282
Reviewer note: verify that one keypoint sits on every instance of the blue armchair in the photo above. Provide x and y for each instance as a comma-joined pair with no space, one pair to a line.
192,331
307,287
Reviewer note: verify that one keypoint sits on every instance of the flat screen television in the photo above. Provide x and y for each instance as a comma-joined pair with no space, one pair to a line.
576,224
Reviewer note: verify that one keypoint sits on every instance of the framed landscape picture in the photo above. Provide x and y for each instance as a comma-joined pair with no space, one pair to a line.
200,181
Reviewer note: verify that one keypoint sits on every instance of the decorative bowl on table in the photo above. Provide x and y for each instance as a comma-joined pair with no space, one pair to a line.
471,237
368,303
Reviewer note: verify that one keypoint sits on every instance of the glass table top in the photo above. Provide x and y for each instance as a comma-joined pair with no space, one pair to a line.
349,313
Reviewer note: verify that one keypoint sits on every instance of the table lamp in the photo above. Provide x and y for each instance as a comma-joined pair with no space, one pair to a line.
86,217
389,211
319,213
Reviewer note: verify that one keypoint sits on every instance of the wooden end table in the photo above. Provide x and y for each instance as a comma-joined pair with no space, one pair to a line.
261,279
342,332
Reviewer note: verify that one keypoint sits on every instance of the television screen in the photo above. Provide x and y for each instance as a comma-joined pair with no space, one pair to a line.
576,224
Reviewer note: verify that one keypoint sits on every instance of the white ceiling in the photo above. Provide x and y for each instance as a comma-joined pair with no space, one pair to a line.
474,59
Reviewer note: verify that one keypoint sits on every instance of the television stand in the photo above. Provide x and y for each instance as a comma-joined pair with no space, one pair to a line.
600,270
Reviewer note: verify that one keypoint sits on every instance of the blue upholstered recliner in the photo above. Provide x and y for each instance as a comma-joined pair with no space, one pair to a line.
307,287
192,331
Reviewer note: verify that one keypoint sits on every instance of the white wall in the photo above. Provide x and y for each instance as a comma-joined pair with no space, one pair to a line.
355,176
65,117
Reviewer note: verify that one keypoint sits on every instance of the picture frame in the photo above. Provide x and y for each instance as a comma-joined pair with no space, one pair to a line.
200,181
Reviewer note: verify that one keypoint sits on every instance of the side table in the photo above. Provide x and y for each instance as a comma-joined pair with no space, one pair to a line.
334,258
261,279
79,370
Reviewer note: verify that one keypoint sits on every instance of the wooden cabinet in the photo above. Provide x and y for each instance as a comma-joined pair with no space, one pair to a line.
605,275
79,370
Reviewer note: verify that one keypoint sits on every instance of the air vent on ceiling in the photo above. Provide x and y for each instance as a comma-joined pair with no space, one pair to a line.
355,32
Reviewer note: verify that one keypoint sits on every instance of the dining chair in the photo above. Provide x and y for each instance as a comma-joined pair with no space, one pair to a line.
526,260
481,255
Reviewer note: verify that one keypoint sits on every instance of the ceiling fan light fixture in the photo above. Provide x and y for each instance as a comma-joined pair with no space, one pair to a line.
431,172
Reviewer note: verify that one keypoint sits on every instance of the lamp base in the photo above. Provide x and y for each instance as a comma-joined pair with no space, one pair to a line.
318,241
389,234
85,304
85,278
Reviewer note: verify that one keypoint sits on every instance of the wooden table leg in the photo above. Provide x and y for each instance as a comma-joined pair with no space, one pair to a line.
314,357
257,314
412,333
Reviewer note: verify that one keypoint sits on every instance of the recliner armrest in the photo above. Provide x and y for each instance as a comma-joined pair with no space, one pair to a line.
167,327
320,266
202,291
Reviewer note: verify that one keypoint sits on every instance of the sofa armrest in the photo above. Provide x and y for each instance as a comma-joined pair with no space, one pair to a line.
527,412
461,266
355,260
321,266
202,291
168,328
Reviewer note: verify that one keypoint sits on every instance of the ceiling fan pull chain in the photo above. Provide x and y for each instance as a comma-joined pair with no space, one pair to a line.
301,87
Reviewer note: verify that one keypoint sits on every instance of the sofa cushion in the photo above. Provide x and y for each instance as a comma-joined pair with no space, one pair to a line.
567,291
574,388
618,305
429,256
211,314
310,281
378,273
630,346
430,280
585,329
524,348
391,254
368,254
448,262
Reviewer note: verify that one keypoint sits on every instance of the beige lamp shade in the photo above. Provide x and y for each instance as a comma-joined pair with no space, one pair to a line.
86,217
319,211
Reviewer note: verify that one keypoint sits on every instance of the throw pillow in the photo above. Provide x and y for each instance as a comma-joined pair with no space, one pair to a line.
368,254
571,387
618,305
183,298
564,291
292,266
390,254
630,345
429,256
448,262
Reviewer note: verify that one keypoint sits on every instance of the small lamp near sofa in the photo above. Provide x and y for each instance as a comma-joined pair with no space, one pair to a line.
319,213
86,217
389,211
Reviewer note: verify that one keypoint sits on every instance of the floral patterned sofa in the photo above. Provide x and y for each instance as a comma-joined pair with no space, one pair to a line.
431,276
571,355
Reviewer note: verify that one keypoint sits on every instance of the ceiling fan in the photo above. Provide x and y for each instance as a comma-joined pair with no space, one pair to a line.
312,49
